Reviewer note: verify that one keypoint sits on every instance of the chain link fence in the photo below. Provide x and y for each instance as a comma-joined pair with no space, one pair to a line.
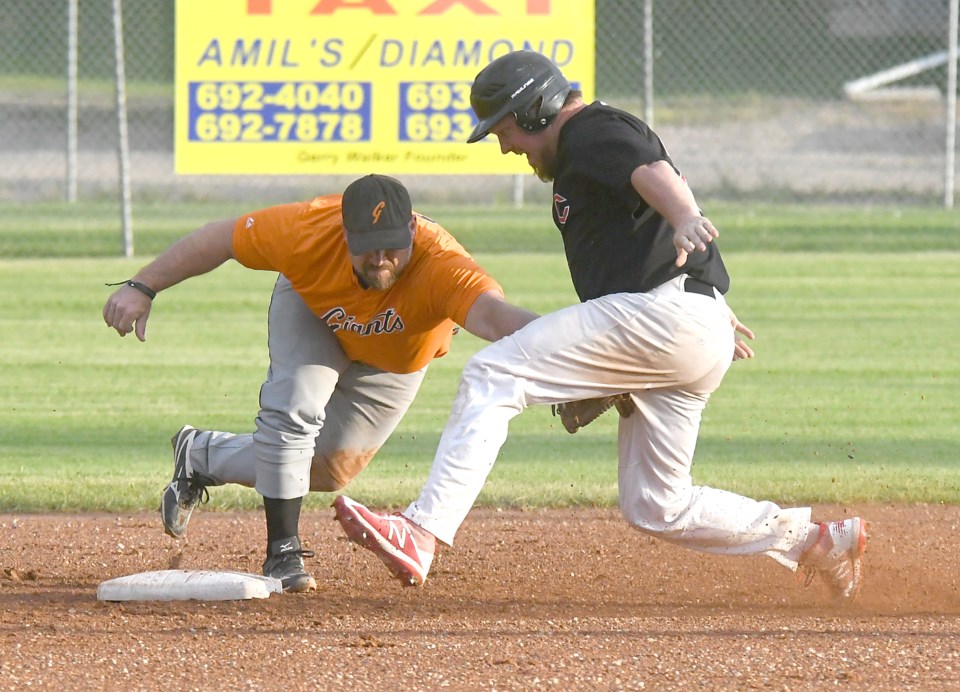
822,100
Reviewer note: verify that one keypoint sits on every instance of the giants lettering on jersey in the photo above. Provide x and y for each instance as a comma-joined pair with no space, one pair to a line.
560,210
386,322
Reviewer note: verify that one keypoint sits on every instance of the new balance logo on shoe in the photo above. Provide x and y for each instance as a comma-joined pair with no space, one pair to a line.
400,531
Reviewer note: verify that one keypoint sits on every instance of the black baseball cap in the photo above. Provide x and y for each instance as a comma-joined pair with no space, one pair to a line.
376,214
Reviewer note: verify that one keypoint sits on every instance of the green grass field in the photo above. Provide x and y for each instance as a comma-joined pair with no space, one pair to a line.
854,394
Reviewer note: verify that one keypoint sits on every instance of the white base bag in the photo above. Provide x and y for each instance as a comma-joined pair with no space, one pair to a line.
187,585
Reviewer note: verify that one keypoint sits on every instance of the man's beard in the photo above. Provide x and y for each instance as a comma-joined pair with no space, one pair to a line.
380,279
544,175
545,171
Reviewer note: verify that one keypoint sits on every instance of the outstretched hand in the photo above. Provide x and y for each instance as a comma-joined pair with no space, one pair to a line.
692,236
127,309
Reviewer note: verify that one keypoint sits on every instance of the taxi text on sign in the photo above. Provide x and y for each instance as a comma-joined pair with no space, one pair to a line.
354,86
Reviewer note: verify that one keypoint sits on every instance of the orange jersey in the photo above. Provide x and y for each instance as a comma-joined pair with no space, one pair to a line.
399,330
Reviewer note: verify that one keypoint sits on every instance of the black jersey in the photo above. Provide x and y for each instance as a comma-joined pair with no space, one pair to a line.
614,241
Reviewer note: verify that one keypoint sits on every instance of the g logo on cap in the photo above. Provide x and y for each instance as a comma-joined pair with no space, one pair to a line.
376,214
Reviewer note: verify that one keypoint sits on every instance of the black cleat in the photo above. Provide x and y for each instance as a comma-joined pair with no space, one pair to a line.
285,562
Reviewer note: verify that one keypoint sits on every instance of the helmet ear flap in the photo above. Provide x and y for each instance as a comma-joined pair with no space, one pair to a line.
530,119
544,109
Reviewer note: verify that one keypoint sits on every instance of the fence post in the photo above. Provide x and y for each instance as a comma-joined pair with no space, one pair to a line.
951,144
648,62
73,24
123,143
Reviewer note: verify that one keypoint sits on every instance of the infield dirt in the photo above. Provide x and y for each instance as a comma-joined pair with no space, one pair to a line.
558,599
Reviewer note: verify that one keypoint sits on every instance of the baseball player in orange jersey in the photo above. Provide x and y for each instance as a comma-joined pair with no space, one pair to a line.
653,323
368,294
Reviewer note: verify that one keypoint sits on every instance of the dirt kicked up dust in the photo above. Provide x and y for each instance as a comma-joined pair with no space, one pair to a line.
561,599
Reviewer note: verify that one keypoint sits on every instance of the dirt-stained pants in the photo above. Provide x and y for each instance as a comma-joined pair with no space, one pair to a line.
322,416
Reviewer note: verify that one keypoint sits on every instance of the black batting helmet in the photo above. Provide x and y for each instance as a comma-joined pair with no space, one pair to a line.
524,83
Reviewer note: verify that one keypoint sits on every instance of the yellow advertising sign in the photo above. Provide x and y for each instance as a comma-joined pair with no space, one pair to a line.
350,86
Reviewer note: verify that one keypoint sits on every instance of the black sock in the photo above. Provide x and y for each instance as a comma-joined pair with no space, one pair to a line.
283,518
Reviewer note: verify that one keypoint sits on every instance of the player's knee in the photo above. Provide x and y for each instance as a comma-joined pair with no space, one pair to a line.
332,472
488,378
475,370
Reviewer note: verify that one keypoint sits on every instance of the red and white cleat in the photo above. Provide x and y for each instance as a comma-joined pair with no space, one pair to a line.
837,557
406,549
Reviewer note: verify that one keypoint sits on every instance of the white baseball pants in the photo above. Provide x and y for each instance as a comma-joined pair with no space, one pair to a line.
670,350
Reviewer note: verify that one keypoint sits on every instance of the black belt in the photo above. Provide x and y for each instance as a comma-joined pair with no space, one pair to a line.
691,285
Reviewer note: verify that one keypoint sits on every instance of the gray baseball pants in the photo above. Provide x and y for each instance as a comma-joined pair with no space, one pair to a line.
322,416
670,349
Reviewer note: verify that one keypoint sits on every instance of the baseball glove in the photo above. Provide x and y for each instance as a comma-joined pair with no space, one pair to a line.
577,414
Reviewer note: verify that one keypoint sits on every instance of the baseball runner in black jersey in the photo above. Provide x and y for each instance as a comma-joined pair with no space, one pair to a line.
653,323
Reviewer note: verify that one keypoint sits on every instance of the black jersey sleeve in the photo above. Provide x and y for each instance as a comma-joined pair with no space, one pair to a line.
616,145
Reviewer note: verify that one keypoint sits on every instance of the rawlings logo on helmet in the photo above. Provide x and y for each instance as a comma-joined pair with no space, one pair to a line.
522,87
